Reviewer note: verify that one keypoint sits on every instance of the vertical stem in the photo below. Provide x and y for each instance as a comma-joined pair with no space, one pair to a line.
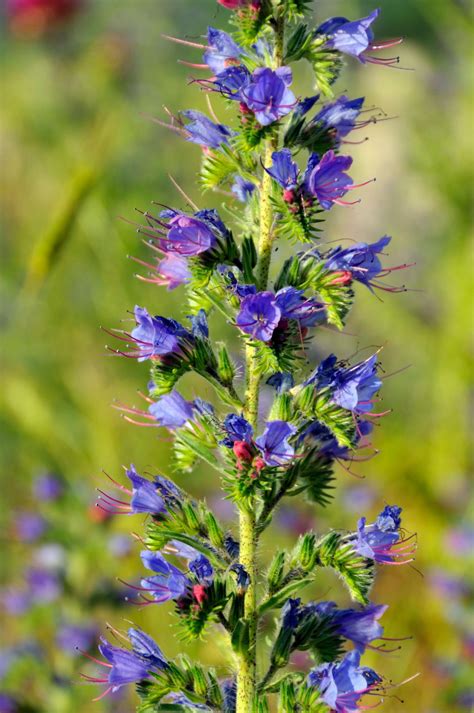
247,670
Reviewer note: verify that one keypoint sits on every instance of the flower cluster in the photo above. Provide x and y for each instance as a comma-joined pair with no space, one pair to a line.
284,159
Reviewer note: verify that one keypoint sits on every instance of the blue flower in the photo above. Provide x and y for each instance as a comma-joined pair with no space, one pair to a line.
281,381
201,568
172,410
48,486
223,50
172,271
259,315
144,647
268,95
156,336
201,130
199,325
168,583
145,497
338,117
361,261
342,684
317,432
291,614
283,169
305,105
237,428
229,692
181,700
233,81
126,667
294,305
241,290
29,526
351,388
326,179
273,443
188,236
352,38
377,541
242,188
357,625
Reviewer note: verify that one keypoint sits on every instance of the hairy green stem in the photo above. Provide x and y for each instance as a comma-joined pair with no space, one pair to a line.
247,667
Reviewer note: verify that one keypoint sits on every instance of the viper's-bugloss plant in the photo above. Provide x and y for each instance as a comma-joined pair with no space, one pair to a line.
281,162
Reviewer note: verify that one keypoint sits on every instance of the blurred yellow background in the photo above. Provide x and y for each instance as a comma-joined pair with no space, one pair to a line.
77,153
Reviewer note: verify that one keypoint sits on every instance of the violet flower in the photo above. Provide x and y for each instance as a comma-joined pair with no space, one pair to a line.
268,96
342,684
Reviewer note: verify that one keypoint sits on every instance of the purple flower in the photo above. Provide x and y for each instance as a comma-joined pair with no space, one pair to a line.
29,526
156,336
169,582
259,315
223,50
242,189
146,496
342,684
151,496
144,647
71,638
44,586
339,117
293,305
188,236
201,130
126,667
361,261
268,95
358,625
317,432
352,388
377,541
48,486
172,410
326,179
273,443
15,601
352,38
173,271
283,169
237,428
233,81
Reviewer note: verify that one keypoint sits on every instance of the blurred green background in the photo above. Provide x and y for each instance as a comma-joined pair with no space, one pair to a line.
77,153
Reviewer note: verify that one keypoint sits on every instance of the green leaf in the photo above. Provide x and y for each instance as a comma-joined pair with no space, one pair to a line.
313,475
249,259
241,637
296,222
356,572
298,42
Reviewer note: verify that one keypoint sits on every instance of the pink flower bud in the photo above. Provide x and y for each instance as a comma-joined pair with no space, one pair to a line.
243,451
199,593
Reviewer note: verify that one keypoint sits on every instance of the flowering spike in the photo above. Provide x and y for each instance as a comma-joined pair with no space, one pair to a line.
313,418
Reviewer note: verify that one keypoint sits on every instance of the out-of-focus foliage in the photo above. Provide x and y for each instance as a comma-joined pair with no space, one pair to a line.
77,153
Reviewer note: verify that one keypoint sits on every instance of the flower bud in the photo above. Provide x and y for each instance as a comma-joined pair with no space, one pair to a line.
243,451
